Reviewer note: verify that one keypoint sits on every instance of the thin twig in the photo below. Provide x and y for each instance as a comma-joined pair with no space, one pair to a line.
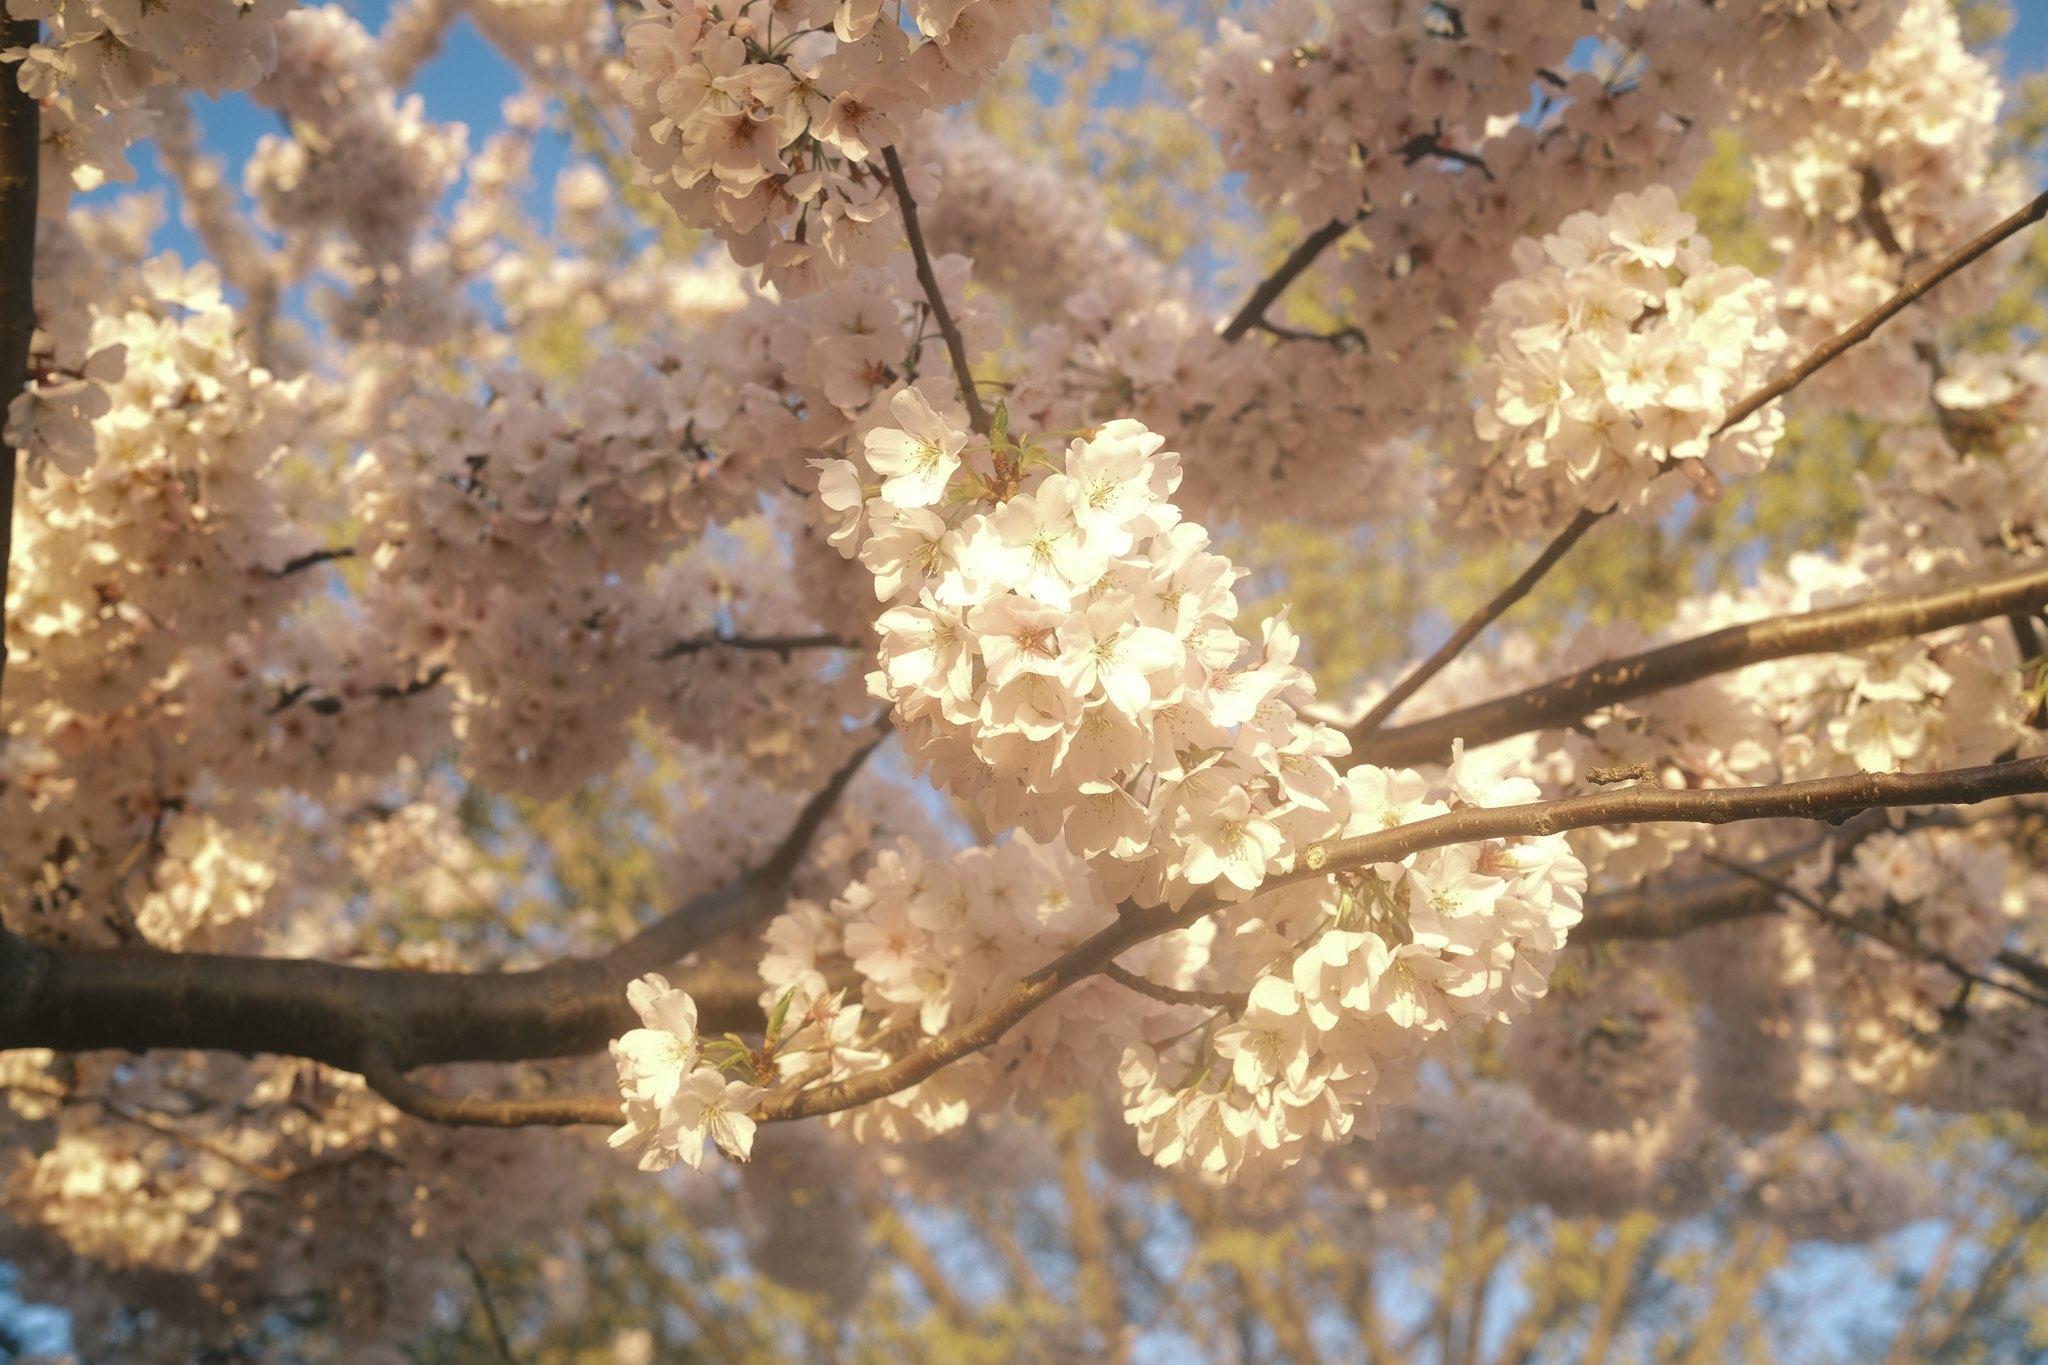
1862,330
785,645
299,563
1465,634
956,348
483,1298
1253,310
1898,943
1171,995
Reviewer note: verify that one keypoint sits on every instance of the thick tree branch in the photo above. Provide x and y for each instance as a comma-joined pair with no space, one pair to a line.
1579,694
76,1000
1253,310
20,158
949,330
369,1020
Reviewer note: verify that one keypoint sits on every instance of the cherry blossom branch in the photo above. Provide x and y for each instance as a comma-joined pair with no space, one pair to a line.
1820,798
1253,310
1819,358
1909,294
1568,698
364,1019
77,999
1817,798
956,347
1664,909
20,159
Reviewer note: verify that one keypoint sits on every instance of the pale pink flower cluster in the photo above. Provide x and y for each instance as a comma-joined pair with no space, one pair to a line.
183,1216
674,1101
1613,358
155,401
1609,1047
1060,651
1867,173
766,124
96,59
1847,1189
1972,482
934,940
1497,1137
1948,893
1453,134
209,876
1948,699
1325,108
359,158
1394,964
100,1191
605,484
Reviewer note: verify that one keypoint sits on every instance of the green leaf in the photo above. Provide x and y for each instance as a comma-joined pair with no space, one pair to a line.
781,1013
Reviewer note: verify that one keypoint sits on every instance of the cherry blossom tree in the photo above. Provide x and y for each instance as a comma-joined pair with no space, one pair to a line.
770,647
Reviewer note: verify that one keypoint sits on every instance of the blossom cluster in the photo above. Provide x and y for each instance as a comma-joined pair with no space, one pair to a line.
1865,174
933,940
94,62
1613,358
1608,1047
1450,134
766,124
1059,649
673,1101
1386,967
1952,897
145,403
359,158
